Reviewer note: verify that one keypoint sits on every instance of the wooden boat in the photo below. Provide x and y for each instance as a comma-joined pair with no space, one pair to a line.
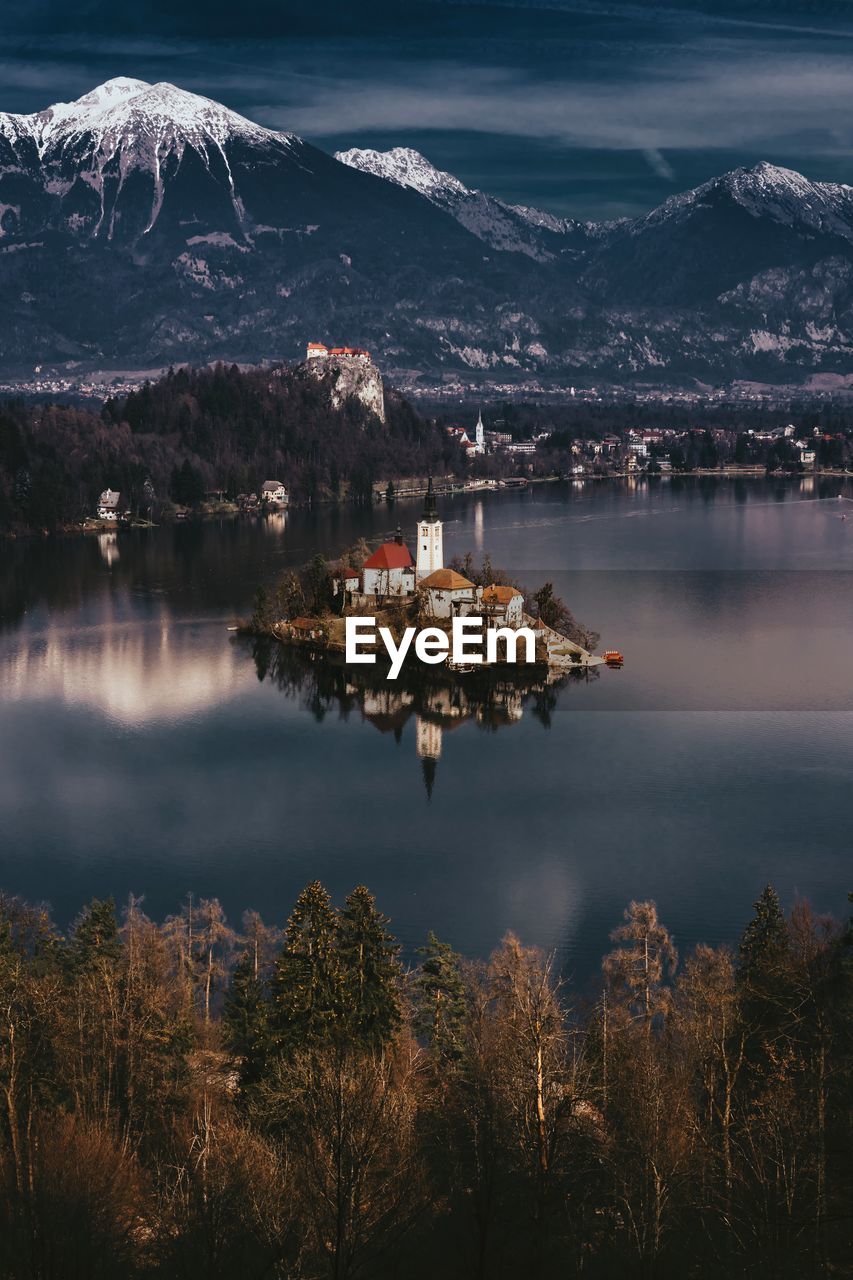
613,657
461,668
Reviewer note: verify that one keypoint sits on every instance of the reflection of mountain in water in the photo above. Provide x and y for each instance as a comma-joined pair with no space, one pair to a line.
438,701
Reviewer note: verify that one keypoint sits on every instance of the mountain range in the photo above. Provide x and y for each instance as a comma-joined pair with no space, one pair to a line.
143,225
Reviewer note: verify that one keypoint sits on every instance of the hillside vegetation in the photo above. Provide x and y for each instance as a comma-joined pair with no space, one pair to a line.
197,430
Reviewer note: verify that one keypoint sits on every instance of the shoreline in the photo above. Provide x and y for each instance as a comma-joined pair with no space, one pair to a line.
230,512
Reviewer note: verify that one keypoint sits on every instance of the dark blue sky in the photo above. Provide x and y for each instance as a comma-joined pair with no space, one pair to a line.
590,109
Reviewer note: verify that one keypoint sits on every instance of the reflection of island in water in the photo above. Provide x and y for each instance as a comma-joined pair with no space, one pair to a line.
438,700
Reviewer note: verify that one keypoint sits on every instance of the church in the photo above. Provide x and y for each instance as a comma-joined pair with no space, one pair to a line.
390,575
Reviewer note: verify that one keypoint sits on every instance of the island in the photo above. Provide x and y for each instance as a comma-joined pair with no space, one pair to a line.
396,593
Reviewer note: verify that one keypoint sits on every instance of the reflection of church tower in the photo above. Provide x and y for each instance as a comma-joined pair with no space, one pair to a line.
428,746
480,434
430,555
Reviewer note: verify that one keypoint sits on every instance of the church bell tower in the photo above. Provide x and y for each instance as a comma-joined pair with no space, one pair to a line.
430,554
480,434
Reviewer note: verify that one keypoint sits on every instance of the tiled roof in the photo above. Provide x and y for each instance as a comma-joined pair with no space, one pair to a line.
389,556
447,580
499,594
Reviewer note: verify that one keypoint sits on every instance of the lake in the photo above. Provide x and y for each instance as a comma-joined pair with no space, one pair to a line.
145,748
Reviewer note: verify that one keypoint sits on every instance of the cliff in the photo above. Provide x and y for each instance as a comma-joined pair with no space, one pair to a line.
349,379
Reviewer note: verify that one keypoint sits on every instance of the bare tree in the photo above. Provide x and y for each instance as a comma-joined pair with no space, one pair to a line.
225,1199
261,941
349,1122
709,1016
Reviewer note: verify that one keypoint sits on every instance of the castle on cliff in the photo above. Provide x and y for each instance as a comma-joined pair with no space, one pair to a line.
319,351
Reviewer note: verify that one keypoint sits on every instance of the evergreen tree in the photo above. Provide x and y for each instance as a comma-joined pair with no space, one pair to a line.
317,584
94,937
763,972
306,983
370,970
440,1005
245,1019
765,938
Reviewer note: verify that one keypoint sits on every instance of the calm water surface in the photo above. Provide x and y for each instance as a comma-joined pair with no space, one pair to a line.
144,749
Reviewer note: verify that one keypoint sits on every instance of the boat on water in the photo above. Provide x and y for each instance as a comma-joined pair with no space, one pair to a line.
460,668
613,657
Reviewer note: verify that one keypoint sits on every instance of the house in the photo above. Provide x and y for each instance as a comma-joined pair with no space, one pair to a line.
346,582
316,350
390,571
448,594
113,506
274,491
306,629
460,436
502,605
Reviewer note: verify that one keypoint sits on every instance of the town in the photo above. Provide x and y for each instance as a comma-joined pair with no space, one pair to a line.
332,429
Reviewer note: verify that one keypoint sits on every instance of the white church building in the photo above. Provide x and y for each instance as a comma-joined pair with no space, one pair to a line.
390,574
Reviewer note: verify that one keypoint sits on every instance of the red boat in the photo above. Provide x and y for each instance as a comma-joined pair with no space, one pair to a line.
613,657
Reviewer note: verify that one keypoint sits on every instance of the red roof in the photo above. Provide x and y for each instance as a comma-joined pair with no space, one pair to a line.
389,556
346,572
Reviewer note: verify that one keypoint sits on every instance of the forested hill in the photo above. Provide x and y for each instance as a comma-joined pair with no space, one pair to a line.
202,429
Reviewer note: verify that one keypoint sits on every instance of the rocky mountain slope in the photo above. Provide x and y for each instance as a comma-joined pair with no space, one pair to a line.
143,225
509,228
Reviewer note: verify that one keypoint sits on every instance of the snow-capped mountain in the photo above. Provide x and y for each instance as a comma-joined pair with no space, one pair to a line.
408,168
84,153
143,225
767,191
145,121
509,228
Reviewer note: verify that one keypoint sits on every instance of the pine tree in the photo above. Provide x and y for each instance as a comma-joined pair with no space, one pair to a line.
440,1005
94,938
245,1020
763,973
370,970
765,938
306,983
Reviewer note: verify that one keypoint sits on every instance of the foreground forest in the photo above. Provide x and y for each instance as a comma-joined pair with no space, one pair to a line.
205,429
183,1101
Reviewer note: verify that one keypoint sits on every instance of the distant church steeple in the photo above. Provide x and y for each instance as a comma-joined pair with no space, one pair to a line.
480,434
429,502
430,552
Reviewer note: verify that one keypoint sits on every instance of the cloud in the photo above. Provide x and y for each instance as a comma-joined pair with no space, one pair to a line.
658,164
786,102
